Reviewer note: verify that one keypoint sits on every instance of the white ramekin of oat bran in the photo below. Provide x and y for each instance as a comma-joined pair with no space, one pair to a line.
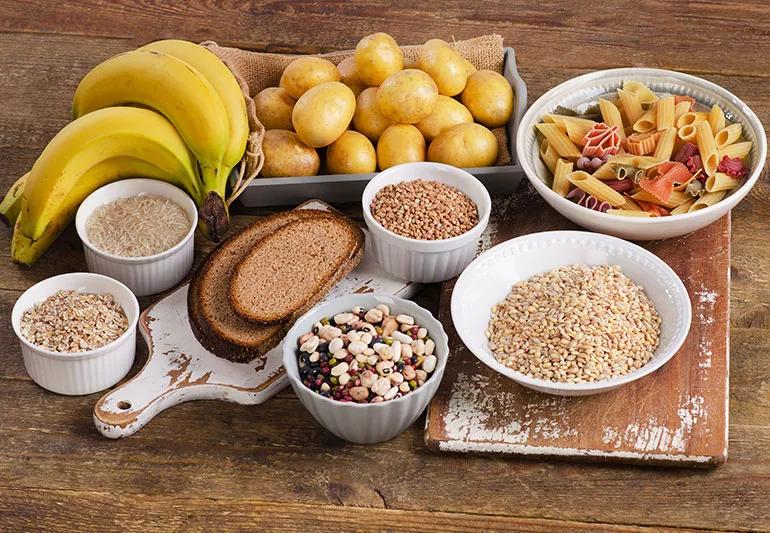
77,332
425,220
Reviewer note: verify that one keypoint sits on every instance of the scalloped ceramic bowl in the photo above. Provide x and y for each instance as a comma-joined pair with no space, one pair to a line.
585,90
488,280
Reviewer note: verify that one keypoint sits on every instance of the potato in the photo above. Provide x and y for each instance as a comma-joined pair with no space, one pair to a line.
304,73
352,153
469,67
444,65
367,118
489,98
349,76
464,145
408,96
400,143
323,113
274,107
377,57
446,113
286,155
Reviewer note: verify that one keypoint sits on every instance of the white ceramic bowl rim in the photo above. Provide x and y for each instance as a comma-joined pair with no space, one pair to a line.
680,78
405,306
189,207
88,354
606,383
446,244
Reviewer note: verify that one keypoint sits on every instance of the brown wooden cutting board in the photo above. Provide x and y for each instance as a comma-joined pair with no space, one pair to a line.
676,415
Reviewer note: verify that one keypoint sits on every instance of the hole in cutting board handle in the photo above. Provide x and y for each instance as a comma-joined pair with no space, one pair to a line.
124,405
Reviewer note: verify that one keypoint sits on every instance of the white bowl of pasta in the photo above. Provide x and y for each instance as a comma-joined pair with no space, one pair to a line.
641,153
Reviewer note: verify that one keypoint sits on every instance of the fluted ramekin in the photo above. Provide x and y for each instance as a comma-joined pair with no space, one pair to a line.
370,422
143,275
81,372
421,260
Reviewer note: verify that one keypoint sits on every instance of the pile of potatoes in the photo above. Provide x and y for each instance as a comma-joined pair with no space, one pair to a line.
440,109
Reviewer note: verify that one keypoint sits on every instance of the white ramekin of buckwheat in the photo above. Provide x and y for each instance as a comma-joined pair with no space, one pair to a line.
425,219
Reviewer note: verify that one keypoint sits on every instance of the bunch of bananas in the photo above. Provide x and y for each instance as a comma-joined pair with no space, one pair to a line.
170,110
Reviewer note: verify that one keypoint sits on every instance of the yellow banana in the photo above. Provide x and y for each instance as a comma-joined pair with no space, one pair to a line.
26,251
11,204
91,139
176,89
216,72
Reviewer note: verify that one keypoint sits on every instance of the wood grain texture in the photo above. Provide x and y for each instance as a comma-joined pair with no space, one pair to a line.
676,416
273,467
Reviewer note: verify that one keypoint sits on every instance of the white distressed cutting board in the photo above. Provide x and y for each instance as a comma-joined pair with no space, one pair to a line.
179,369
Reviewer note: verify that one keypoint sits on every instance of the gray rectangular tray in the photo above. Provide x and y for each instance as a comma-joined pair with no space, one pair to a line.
341,188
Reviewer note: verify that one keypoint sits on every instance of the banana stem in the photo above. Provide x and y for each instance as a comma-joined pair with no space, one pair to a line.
213,217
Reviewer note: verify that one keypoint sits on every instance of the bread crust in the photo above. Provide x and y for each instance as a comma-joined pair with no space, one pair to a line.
210,333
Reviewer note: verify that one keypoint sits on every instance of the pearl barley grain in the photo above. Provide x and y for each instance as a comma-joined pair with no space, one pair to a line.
424,209
575,324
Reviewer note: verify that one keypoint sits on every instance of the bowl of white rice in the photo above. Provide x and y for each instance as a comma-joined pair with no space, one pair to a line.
139,232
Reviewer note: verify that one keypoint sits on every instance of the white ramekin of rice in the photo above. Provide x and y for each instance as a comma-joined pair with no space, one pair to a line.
77,373
143,275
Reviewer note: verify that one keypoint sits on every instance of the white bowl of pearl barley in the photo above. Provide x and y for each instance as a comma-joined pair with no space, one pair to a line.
425,220
571,313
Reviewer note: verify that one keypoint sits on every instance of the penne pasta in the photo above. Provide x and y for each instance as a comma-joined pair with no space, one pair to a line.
548,155
632,107
708,199
691,118
728,135
687,133
683,208
576,131
677,198
716,119
590,185
739,150
721,182
708,148
631,205
559,141
605,172
638,161
665,146
630,213
611,115
646,155
680,109
561,184
646,122
665,113
641,91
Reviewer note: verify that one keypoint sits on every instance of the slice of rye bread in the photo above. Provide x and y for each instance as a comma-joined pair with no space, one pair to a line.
289,270
214,322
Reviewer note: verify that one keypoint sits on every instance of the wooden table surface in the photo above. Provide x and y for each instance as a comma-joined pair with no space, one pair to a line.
207,465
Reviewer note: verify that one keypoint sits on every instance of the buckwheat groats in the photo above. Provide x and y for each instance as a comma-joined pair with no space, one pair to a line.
72,321
424,209
366,356
575,324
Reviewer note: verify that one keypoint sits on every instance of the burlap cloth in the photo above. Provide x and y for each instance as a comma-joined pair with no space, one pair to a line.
256,71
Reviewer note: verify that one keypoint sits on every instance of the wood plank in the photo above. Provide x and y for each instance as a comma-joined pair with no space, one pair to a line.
253,459
639,41
54,510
